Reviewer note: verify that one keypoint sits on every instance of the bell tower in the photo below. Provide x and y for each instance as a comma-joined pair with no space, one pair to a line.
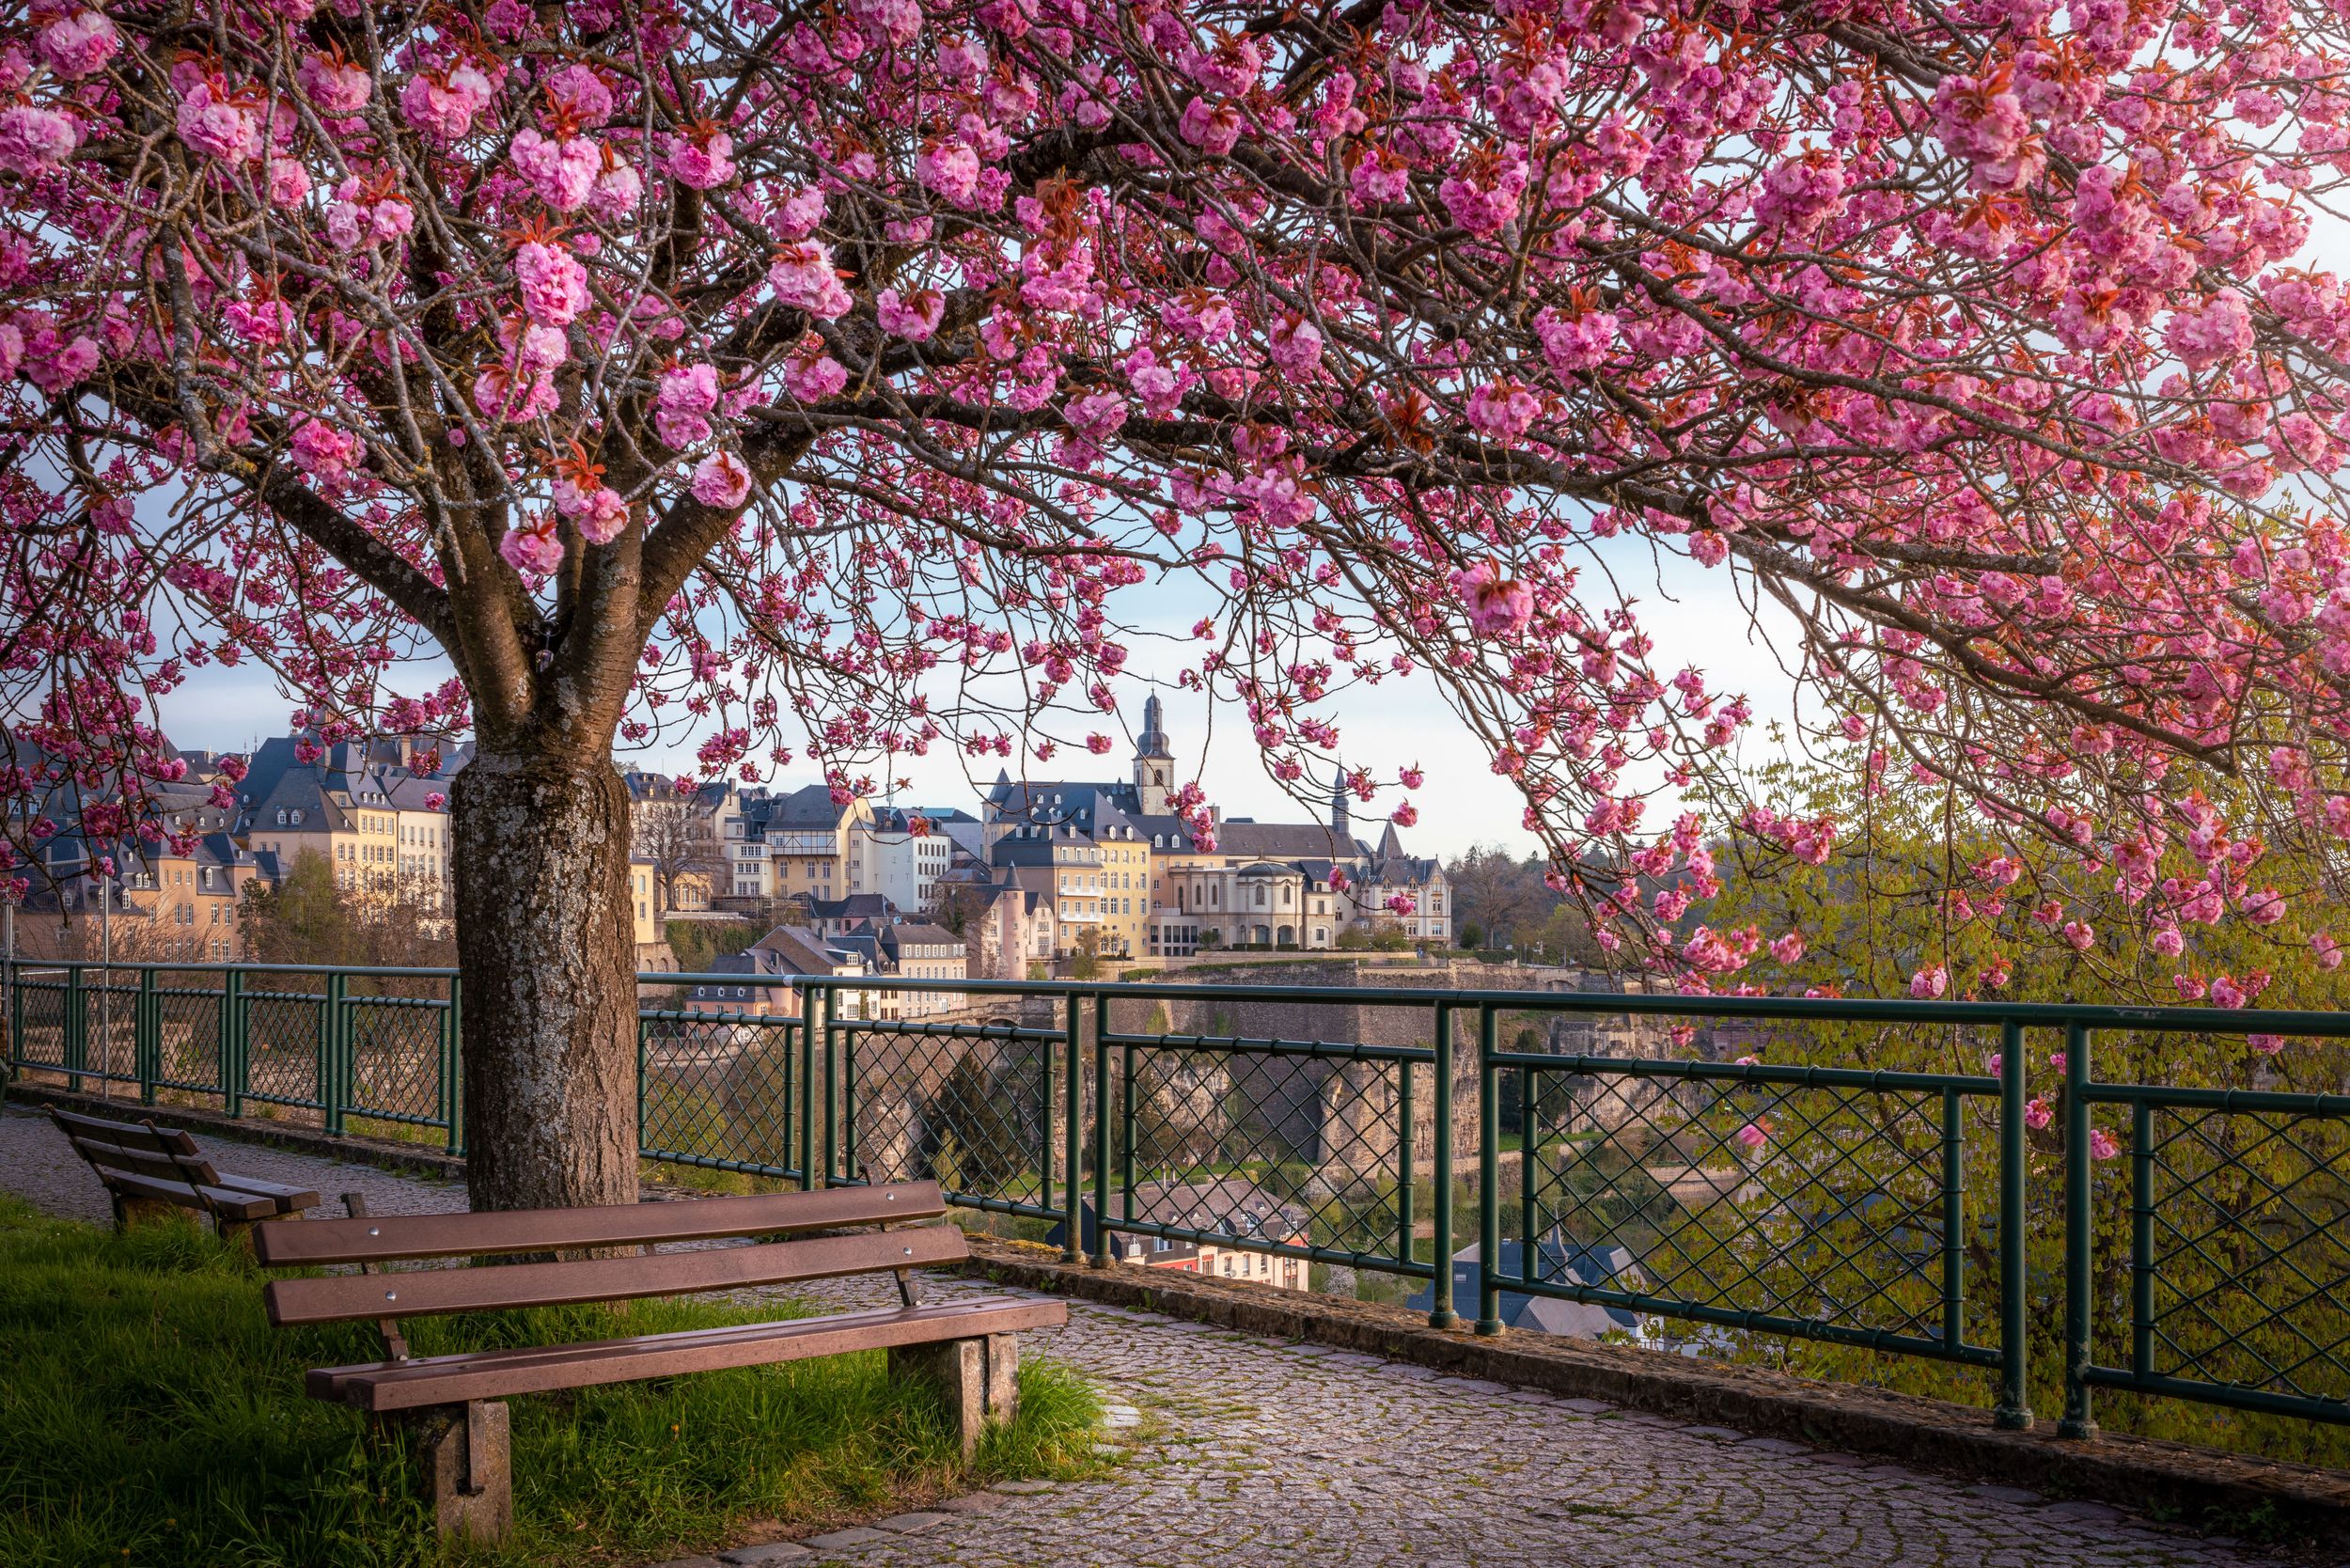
1154,762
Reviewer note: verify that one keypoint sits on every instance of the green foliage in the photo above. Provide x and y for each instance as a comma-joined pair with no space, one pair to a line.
148,1413
697,943
1839,1213
304,918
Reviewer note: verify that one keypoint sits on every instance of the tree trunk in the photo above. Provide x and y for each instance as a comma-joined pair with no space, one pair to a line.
544,952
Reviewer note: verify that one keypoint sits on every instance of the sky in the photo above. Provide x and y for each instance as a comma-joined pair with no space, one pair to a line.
1693,613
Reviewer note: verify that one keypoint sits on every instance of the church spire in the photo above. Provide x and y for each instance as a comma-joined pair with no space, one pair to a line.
1340,823
1154,761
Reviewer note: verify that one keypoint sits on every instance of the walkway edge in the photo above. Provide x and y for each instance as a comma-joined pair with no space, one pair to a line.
2219,1493
408,1158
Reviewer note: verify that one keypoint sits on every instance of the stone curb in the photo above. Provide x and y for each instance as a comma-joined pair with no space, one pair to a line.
408,1158
2171,1483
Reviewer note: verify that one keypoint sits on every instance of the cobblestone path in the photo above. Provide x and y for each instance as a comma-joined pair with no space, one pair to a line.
1240,1452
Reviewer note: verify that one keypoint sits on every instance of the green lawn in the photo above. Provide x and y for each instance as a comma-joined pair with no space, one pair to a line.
151,1416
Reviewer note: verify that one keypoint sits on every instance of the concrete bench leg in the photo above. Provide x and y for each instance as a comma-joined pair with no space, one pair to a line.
977,1381
465,1455
240,1230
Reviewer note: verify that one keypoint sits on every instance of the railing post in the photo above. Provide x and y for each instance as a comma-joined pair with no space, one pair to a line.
811,998
232,1063
2142,1239
1405,1105
1126,1132
2013,1411
2078,1243
1488,1176
830,1131
74,1044
1441,1313
1073,1141
1953,1220
1100,1133
331,1027
452,1069
146,1047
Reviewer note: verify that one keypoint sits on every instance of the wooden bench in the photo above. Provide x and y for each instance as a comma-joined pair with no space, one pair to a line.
455,1404
149,1169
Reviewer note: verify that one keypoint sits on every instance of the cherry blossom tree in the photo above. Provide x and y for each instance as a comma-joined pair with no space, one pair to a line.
841,382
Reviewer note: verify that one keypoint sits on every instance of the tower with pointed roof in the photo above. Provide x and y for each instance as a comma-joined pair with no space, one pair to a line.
1340,823
1154,761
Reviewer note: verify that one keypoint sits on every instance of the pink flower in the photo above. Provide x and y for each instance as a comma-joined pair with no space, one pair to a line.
1295,344
2038,1114
1928,984
1754,1135
721,480
912,317
337,87
1412,778
1406,814
1096,417
434,801
1213,128
2264,906
2101,1145
2226,992
1577,341
579,95
2080,935
534,549
2266,1044
812,375
444,106
2220,332
2328,951
681,398
803,277
561,172
952,170
78,43
703,158
2169,941
289,183
614,197
1483,197
1788,948
554,283
1098,744
1503,409
1496,606
324,452
34,142
213,126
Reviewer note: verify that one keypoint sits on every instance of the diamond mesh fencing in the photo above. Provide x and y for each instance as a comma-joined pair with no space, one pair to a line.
718,1091
285,1046
1300,1146
1751,1205
186,1023
39,1024
2241,1266
969,1106
398,1048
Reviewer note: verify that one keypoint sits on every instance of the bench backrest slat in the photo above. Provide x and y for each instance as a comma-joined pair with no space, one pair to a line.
390,1238
346,1297
164,1153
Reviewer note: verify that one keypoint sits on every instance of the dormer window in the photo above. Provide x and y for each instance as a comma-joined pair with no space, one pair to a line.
281,816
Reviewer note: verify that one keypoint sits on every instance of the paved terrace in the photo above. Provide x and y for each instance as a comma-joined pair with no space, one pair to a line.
1243,1450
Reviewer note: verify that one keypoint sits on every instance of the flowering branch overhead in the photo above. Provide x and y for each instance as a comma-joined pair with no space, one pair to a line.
841,381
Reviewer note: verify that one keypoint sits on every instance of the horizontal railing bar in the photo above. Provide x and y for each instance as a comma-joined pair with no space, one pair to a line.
2309,1407
1330,1049
1760,1323
2246,1101
1826,1077
948,1031
719,1162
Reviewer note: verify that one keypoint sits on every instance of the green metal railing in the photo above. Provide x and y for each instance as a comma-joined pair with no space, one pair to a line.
2194,1242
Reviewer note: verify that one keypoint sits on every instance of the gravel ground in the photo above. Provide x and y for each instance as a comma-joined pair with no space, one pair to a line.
1239,1451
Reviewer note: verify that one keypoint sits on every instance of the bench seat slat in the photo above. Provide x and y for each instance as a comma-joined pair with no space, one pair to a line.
424,1291
220,1201
495,1374
513,1231
289,1198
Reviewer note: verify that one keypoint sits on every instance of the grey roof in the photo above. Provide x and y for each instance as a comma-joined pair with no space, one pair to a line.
1558,1263
1285,840
811,807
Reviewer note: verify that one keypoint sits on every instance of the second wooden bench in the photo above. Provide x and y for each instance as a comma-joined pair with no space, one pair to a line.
966,1347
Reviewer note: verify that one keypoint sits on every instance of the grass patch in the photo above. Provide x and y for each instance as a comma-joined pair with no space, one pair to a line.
151,1416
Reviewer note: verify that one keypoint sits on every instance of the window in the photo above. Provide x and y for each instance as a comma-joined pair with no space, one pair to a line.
281,816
